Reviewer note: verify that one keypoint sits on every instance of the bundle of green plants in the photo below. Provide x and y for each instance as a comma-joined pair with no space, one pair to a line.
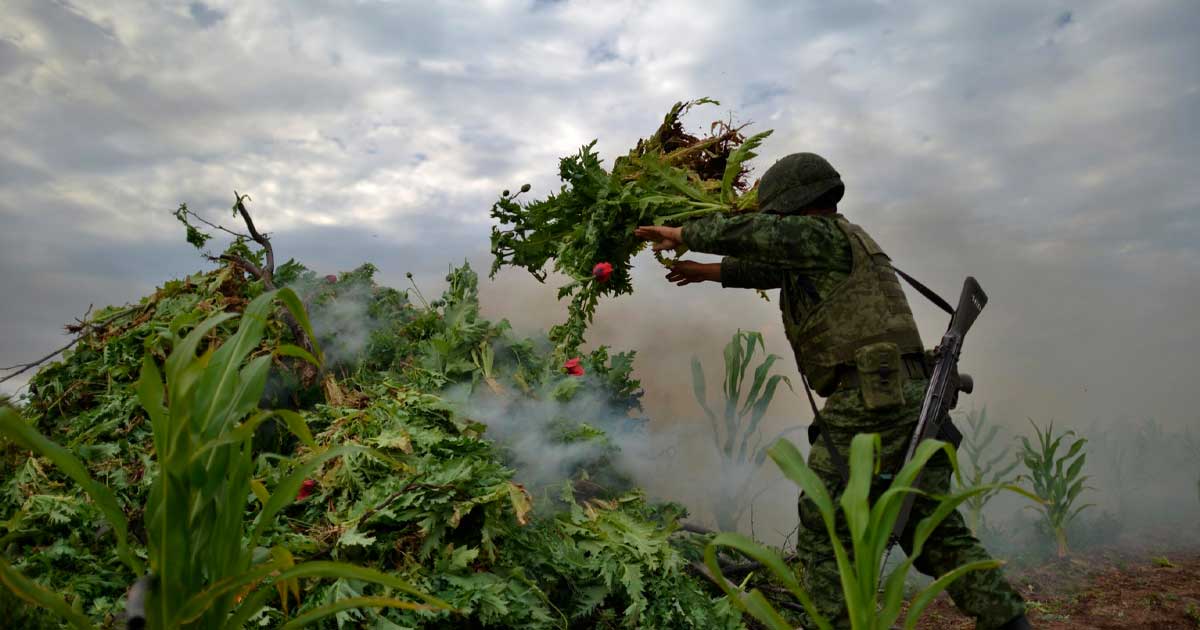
585,230
395,470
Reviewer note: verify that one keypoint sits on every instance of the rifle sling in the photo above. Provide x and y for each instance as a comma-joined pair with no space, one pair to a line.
834,454
926,291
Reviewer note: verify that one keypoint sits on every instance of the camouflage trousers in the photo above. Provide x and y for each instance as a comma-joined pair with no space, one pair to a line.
984,595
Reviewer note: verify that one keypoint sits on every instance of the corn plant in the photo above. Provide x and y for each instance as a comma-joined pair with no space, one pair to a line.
200,547
870,526
983,468
1057,481
736,435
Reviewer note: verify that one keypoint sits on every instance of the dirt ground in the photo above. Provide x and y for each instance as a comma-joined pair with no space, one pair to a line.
1100,589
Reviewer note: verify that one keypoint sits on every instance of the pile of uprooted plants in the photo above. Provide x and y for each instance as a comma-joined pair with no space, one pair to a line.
451,519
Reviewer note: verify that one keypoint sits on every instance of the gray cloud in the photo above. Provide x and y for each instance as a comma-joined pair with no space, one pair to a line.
204,15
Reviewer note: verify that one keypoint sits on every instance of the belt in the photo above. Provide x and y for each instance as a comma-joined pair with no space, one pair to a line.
913,365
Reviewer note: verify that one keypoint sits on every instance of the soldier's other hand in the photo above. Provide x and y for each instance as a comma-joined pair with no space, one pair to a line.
663,237
685,272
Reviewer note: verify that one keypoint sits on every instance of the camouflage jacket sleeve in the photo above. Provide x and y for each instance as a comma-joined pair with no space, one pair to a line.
737,273
794,243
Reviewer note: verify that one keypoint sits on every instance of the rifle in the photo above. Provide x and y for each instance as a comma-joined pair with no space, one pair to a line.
944,385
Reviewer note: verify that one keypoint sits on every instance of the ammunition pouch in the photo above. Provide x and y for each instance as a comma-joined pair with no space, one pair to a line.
914,366
880,378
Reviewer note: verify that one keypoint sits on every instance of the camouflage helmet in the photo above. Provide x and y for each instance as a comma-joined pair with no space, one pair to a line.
796,181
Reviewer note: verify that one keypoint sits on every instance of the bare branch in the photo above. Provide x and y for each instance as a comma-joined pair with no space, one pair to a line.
266,274
262,240
248,267
215,226
25,367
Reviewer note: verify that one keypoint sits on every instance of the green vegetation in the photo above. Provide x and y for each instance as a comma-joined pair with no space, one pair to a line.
1192,612
1162,561
870,526
736,435
381,462
203,576
667,178
984,467
1057,481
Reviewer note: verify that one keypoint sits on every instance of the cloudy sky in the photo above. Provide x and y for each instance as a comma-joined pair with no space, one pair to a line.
1050,149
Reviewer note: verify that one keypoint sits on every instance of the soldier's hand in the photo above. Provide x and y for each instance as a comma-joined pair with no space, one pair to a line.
689,271
664,238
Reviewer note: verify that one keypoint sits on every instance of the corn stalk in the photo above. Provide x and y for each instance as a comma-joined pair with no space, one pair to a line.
983,468
870,526
736,435
1057,481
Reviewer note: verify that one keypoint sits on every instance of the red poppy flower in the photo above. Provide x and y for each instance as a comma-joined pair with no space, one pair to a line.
306,489
573,367
331,278
602,271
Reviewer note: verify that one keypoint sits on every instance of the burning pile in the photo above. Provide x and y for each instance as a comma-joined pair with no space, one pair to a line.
445,505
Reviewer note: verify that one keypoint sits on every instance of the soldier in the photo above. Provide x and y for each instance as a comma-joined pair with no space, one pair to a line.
840,299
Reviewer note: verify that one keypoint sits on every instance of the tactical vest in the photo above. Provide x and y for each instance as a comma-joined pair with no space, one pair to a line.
868,307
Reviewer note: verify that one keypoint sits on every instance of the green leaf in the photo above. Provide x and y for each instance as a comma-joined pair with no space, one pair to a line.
26,436
27,590
922,600
760,608
733,165
348,603
296,308
289,350
354,538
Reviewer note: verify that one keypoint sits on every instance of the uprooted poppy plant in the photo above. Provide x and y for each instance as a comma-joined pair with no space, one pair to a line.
573,367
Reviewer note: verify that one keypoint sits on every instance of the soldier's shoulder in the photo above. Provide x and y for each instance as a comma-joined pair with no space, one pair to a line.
854,231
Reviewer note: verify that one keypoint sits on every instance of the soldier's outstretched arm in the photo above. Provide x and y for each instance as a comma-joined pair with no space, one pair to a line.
740,273
789,241
732,273
685,272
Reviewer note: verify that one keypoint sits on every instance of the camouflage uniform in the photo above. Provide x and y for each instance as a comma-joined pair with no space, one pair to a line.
809,258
